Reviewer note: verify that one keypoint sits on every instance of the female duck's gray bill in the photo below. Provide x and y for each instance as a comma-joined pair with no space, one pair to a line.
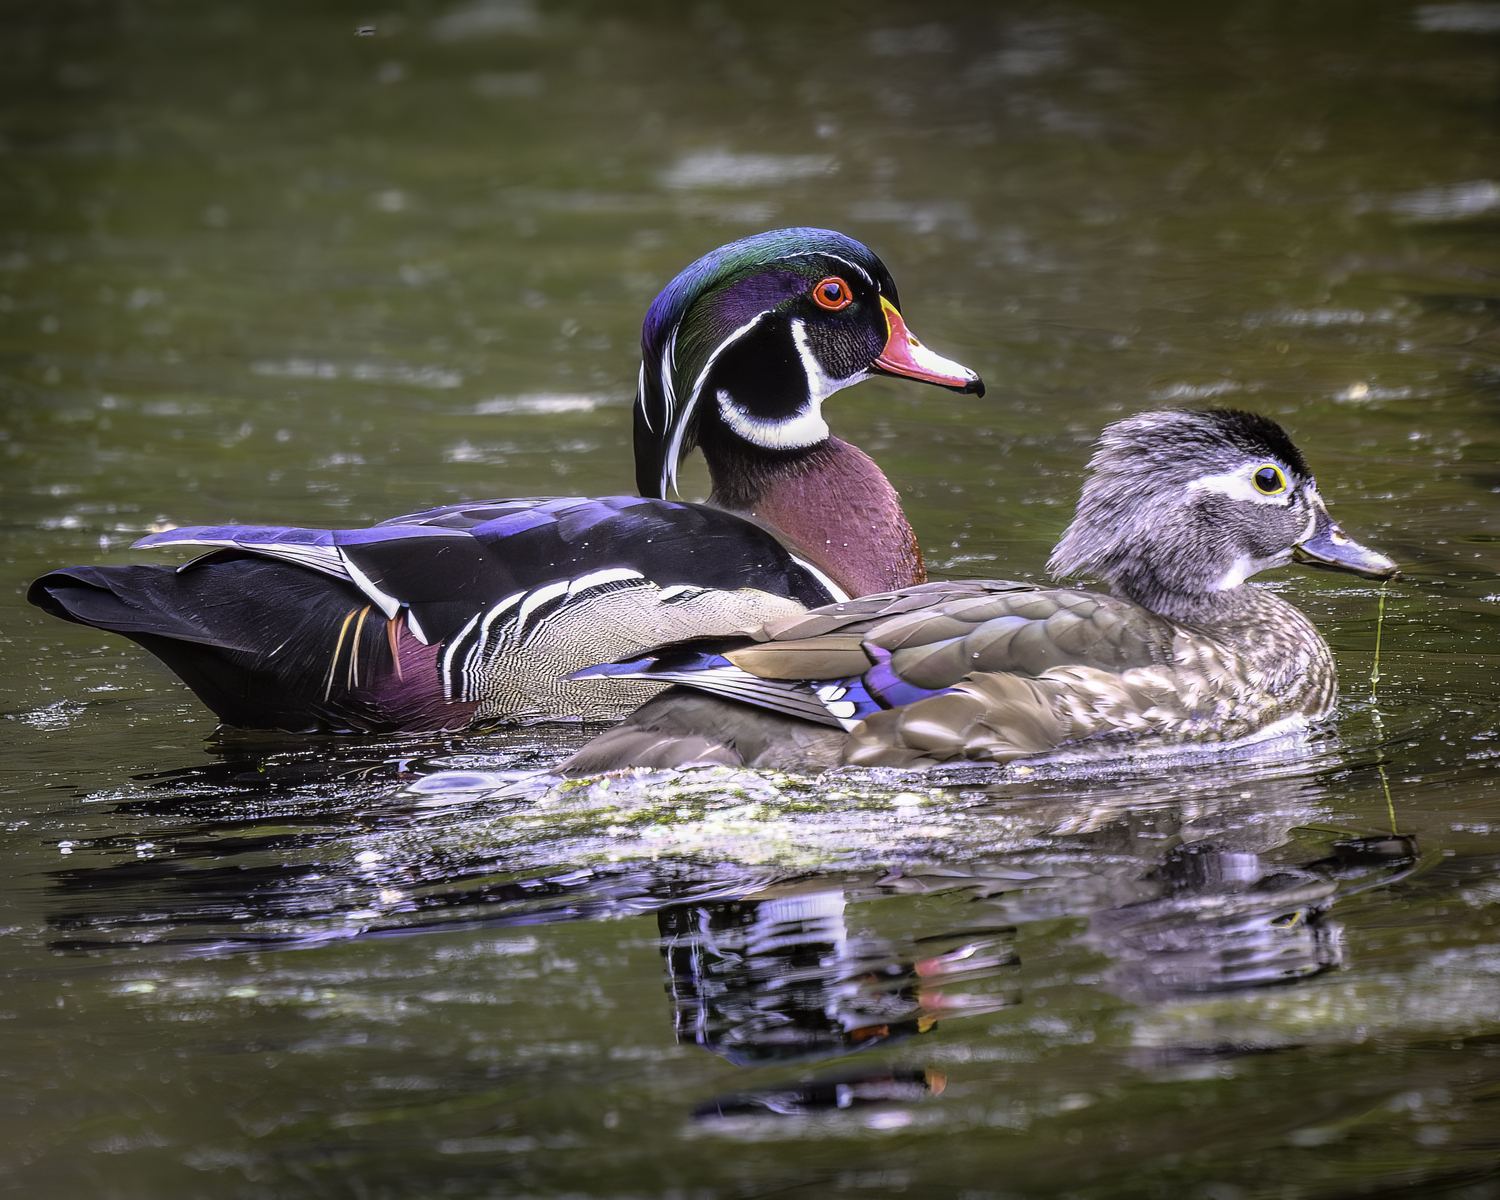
1333,549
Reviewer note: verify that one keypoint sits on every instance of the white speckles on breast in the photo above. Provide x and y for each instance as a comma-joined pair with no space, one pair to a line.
1270,668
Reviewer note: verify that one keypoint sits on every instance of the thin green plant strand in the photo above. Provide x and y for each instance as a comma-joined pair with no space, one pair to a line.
1390,805
1379,627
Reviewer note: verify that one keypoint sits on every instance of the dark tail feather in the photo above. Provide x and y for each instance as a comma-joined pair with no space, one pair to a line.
265,645
135,601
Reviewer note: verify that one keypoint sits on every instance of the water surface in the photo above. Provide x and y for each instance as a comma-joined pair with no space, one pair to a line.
256,267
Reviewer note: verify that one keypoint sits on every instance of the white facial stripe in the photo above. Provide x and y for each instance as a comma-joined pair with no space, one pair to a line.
669,404
640,390
680,423
853,266
806,428
1237,485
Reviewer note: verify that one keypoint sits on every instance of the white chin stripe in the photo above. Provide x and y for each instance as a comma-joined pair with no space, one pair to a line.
805,428
678,422
819,385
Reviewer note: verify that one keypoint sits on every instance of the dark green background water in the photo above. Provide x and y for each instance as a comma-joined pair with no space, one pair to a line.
256,268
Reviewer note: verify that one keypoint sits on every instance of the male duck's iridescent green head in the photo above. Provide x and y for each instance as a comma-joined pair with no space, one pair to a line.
745,345
1182,506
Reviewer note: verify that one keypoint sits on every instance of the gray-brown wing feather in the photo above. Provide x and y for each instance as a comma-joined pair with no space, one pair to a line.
937,638
1145,677
858,616
1023,633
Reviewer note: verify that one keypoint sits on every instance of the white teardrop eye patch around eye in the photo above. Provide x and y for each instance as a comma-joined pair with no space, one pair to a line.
1269,480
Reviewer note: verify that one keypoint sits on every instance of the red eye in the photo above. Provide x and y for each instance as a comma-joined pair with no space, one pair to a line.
833,294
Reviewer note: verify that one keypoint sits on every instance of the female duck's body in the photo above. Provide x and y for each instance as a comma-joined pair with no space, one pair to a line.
1180,509
477,613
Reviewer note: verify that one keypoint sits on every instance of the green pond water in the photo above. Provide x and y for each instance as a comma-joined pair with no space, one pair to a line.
257,267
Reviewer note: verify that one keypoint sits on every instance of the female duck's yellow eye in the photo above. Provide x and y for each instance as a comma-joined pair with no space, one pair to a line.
1269,481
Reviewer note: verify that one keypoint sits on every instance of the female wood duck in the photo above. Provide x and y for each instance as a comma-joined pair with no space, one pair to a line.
1179,510
477,613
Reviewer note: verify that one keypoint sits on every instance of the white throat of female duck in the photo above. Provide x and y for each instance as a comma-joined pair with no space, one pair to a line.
1184,552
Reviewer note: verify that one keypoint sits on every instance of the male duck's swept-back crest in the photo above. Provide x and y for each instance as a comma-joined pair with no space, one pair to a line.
1179,510
477,613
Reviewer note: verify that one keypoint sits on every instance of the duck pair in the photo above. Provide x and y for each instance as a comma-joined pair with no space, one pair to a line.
478,613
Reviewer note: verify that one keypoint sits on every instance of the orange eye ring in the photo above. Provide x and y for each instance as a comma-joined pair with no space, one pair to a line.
832,293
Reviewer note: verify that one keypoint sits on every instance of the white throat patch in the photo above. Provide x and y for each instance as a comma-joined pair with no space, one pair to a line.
805,427
1244,567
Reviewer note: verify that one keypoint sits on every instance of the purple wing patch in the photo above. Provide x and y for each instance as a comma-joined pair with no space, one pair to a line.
887,688
287,535
509,525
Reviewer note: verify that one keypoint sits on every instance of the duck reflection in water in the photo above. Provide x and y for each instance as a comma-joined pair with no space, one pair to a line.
782,979
1209,890
1228,919
846,1091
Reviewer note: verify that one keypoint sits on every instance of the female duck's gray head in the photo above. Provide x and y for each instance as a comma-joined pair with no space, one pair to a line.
1181,506
744,346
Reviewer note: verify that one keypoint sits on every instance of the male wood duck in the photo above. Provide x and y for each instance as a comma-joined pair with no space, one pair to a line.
473,614
1179,510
